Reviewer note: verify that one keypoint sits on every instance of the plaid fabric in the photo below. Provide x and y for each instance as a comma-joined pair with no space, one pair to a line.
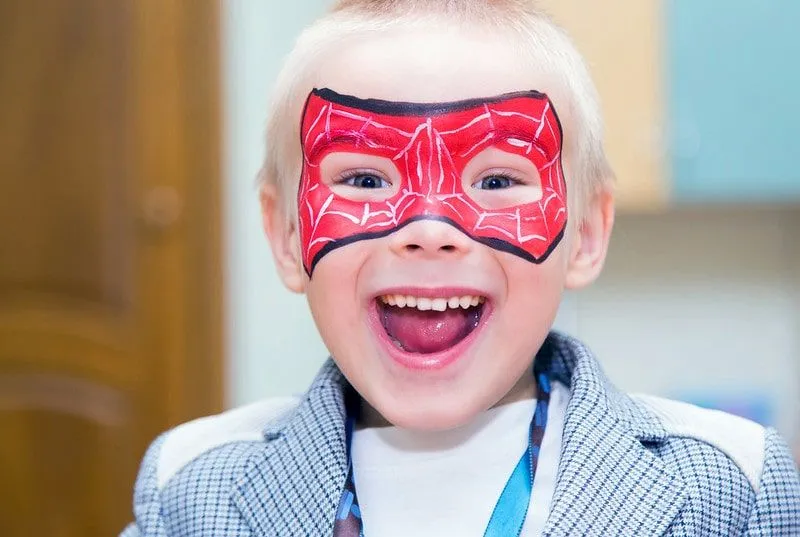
622,472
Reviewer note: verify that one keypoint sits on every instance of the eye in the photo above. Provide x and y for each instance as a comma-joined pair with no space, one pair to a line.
495,182
365,180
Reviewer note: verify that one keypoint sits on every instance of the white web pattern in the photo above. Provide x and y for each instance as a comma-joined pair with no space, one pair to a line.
432,185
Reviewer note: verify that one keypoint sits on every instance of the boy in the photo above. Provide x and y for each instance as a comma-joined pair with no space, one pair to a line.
434,179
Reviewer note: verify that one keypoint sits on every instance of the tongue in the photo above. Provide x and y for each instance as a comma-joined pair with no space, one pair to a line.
427,332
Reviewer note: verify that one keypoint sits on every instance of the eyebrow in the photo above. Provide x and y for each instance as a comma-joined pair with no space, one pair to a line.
356,139
499,135
402,108
393,142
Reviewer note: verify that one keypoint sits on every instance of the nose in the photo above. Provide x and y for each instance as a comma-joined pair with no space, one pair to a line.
430,239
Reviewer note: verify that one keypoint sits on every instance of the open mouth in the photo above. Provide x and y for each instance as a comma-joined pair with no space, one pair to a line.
424,325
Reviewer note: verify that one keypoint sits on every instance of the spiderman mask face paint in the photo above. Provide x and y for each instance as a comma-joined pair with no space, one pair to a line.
425,150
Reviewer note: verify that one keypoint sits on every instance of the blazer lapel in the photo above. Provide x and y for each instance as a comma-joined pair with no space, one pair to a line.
609,482
293,485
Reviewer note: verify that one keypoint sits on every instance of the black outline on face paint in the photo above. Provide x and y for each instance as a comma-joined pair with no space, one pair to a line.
497,244
400,108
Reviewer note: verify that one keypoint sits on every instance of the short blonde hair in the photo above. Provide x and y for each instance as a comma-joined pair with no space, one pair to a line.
545,43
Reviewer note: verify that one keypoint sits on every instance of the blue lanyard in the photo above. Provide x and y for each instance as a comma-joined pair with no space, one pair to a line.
511,508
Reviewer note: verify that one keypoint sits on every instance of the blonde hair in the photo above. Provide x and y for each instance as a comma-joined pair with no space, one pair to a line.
545,43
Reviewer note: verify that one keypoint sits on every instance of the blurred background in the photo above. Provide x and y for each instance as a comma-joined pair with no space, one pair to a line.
137,290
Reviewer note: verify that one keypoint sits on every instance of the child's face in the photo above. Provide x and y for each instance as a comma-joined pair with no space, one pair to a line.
401,204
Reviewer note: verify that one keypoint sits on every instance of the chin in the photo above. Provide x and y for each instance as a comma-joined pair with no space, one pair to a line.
429,417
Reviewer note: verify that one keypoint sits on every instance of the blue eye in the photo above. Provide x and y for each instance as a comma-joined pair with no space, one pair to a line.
495,182
366,181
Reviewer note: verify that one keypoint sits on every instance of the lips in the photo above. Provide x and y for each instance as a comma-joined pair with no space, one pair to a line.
428,331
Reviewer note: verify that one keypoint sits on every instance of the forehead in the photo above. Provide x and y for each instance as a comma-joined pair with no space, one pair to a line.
433,65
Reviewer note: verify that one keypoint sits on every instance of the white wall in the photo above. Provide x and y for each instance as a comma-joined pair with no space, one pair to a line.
690,302
272,345
702,303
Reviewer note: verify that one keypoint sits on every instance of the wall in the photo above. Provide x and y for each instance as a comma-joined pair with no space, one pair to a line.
271,341
691,302
702,303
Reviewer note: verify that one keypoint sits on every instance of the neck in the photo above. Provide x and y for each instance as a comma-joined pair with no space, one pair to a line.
524,388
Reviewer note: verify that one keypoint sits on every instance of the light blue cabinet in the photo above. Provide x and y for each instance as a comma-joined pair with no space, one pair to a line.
733,106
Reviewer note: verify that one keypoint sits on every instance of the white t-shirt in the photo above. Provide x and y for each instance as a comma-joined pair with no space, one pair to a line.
447,483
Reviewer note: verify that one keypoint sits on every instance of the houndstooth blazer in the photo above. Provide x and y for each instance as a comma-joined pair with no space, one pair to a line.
630,465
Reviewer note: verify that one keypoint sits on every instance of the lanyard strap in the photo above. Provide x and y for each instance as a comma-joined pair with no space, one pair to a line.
511,508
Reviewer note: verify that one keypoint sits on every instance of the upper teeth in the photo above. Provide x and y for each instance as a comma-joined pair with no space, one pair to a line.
436,304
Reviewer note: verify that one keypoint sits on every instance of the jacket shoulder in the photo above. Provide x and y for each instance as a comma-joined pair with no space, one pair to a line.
202,438
740,474
186,476
710,433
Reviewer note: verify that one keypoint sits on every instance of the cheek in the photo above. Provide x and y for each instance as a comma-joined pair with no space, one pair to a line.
524,276
534,291
333,295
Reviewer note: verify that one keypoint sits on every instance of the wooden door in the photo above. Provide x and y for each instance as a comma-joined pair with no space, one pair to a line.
109,249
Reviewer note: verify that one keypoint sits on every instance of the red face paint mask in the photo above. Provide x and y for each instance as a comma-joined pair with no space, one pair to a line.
430,145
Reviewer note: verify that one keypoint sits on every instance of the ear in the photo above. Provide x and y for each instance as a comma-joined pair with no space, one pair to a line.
590,243
283,239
